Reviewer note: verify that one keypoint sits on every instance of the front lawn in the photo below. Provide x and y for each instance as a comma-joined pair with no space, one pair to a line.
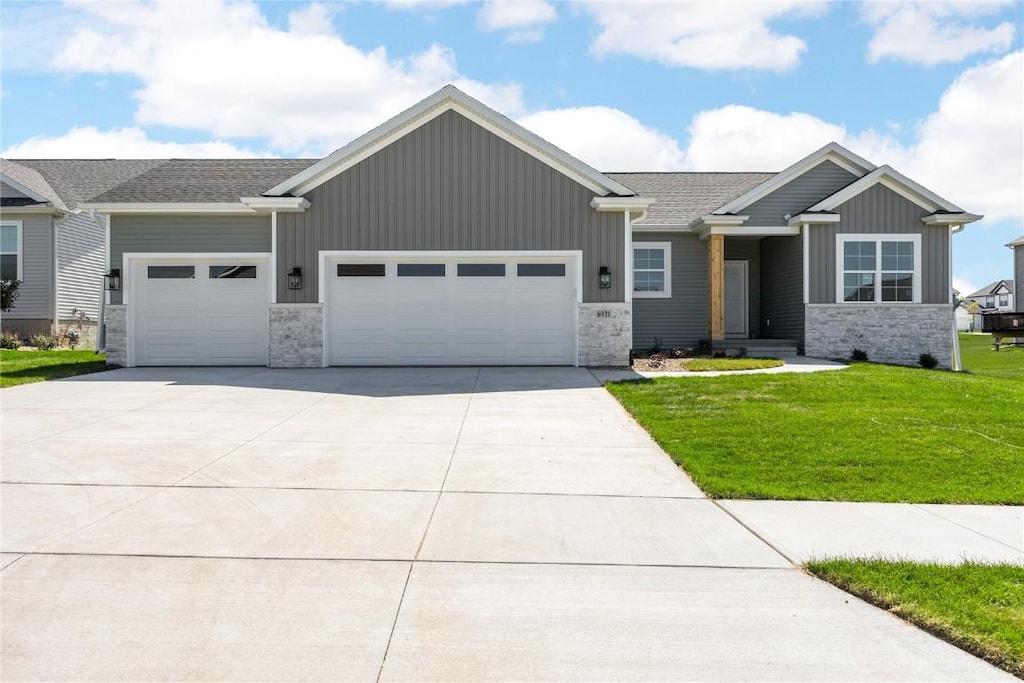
977,607
22,367
867,433
978,357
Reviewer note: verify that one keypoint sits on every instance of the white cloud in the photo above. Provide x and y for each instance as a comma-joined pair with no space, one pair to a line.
607,139
934,32
497,15
705,34
423,4
89,142
222,69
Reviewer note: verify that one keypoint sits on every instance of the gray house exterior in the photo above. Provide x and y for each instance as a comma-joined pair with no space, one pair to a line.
1017,246
56,249
451,235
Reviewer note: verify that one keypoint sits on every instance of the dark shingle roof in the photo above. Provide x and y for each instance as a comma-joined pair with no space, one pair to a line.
990,289
32,180
685,197
78,180
205,180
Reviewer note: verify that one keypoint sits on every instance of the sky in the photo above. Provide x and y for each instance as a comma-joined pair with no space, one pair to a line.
933,89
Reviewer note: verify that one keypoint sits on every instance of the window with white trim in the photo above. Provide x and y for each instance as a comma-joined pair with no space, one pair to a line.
652,269
10,250
878,268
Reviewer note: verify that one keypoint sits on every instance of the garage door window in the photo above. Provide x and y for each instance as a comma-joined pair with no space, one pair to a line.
540,270
420,270
171,272
360,270
481,270
232,272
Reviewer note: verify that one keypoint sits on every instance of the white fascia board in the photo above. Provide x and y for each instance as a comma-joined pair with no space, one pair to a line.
643,227
171,207
631,204
716,220
749,230
44,210
951,218
895,181
1019,242
279,204
833,152
445,99
31,194
812,218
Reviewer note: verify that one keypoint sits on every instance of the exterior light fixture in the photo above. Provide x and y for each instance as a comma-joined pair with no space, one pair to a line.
604,277
113,279
295,278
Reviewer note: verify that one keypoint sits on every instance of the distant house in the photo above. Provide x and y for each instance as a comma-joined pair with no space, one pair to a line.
55,249
1018,272
996,297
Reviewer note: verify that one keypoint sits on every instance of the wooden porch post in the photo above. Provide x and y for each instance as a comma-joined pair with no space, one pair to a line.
716,287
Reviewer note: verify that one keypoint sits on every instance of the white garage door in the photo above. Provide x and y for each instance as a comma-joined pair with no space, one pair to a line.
452,311
200,312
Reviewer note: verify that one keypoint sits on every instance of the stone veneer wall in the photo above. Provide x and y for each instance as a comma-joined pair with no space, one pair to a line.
889,334
296,335
115,318
605,334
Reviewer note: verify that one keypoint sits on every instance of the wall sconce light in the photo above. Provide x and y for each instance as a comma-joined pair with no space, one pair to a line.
604,277
113,279
295,278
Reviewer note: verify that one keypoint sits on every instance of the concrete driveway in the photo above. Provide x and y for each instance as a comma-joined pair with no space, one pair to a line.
394,524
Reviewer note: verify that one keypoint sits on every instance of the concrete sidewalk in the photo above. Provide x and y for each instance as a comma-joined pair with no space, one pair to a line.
944,534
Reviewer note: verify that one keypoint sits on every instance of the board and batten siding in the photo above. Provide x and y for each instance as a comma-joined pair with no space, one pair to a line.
748,249
451,185
80,264
145,233
782,288
682,320
35,295
879,210
802,192
1018,278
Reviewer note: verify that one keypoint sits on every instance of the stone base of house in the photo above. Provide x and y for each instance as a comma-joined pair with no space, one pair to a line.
115,320
82,332
26,328
605,334
888,334
296,336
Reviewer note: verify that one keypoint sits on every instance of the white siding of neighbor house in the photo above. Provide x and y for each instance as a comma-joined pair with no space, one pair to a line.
35,296
80,259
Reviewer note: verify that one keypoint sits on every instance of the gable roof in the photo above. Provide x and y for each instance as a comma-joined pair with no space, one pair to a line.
30,183
833,152
993,288
203,180
447,98
67,183
684,197
897,182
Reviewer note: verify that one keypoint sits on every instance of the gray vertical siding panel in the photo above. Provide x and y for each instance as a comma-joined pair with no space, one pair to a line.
879,210
782,288
186,234
800,193
451,185
749,250
35,295
80,264
1018,278
682,320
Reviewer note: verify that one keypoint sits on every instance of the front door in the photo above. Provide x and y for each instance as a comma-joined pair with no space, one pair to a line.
736,293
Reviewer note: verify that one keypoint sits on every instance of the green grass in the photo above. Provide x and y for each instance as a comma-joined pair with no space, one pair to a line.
727,364
979,608
978,358
866,433
22,367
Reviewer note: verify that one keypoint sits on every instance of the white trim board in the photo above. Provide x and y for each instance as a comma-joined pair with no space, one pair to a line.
666,248
877,238
895,181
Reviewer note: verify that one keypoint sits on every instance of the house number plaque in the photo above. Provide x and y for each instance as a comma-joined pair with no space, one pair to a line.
604,314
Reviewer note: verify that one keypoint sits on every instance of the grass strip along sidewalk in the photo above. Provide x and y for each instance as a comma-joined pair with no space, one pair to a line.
868,433
979,608
22,367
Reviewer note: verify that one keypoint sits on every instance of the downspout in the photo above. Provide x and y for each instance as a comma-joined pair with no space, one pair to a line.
954,363
55,327
101,326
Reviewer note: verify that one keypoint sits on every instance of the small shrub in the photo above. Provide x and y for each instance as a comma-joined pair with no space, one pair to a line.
681,353
928,361
656,361
859,355
9,340
45,342
8,294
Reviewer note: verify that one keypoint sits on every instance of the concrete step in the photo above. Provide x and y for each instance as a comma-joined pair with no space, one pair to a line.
771,351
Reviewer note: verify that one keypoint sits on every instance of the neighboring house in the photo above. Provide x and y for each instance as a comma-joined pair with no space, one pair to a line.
53,247
963,315
452,235
996,297
1018,272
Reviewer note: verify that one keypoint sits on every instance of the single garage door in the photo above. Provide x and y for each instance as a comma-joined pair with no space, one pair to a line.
452,311
200,312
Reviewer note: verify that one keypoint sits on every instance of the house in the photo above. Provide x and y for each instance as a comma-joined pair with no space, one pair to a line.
996,297
452,235
1017,246
52,246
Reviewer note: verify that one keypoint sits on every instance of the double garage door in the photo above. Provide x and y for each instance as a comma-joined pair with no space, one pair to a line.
437,310
451,311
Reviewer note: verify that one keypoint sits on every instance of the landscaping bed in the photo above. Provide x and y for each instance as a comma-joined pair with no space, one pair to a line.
657,363
30,365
